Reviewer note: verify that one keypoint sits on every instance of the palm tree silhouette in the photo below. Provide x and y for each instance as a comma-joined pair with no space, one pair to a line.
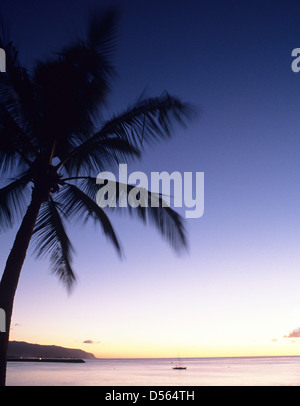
54,140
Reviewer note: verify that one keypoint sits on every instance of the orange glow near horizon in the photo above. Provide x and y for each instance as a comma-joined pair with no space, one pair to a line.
147,349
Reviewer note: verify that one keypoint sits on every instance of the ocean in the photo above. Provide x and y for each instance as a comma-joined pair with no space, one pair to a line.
238,371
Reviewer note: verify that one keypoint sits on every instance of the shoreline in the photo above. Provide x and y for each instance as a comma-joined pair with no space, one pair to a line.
67,360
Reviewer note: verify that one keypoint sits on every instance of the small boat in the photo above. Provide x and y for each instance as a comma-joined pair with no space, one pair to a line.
179,366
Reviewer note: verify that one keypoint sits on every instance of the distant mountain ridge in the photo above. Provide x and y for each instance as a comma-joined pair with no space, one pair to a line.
17,349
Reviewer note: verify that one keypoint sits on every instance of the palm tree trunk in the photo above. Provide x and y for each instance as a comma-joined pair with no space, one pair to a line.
10,277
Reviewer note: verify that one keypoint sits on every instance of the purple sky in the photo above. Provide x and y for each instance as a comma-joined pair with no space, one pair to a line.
236,291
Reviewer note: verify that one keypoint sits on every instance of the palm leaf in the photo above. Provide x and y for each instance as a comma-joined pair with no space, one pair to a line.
80,206
147,121
102,30
14,199
99,155
15,146
73,86
51,238
167,221
17,91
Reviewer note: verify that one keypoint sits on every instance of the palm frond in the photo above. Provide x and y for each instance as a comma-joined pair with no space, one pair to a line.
80,206
73,86
15,145
102,29
99,155
17,92
51,238
146,121
167,221
149,120
14,199
64,115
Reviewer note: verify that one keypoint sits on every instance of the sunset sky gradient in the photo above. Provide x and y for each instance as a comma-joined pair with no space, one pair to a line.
236,291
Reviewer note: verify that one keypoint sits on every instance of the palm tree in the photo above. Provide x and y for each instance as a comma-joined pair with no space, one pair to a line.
54,141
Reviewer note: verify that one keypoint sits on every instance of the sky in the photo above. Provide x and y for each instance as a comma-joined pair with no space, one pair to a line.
235,292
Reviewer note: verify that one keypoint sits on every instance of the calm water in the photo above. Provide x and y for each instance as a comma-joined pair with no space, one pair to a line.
254,371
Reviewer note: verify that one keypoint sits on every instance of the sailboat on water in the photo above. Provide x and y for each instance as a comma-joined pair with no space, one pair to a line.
179,364
179,367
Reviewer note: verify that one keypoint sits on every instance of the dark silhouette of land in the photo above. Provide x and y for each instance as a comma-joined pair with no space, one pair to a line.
21,349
